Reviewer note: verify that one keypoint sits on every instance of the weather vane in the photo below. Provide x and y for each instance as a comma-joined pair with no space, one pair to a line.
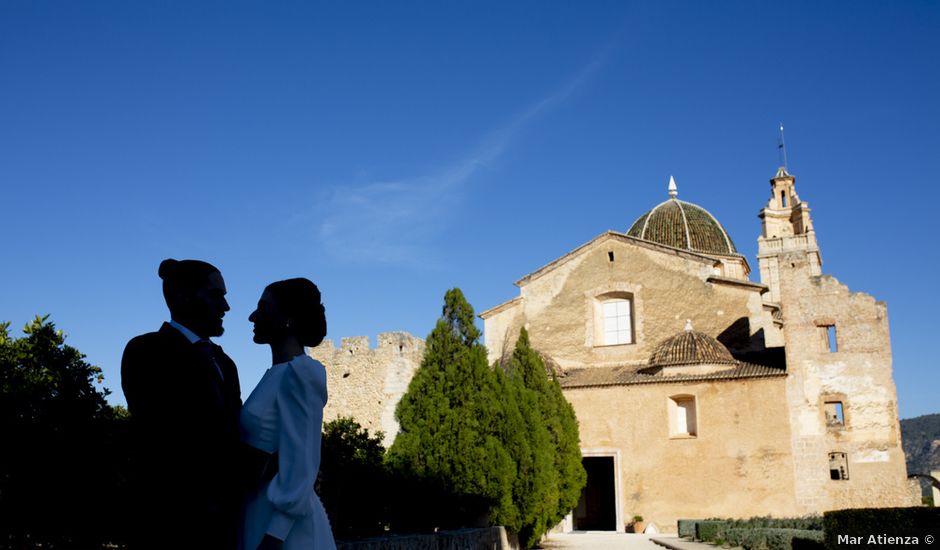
782,148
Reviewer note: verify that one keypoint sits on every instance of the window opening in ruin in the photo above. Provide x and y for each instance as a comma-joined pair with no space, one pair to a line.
838,466
610,256
683,417
835,416
618,328
831,339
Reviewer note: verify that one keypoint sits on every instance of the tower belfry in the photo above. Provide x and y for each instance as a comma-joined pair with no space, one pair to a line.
787,238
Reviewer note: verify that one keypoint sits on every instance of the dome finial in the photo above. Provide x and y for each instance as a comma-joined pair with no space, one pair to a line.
688,325
673,190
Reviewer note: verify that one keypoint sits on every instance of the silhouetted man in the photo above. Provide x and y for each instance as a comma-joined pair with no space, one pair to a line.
184,398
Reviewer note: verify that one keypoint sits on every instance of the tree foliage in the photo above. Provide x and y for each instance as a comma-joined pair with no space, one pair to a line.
63,458
481,443
554,474
450,445
351,469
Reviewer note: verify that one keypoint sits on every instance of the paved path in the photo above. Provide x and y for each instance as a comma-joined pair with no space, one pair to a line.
596,540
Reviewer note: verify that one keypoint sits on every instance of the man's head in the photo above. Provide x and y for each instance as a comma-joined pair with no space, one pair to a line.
195,293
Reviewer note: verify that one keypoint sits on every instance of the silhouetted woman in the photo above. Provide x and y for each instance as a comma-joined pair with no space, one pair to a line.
283,419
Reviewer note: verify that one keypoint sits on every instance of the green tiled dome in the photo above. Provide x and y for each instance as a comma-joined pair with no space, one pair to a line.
684,225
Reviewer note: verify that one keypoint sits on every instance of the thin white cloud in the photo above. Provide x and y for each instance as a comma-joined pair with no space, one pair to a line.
395,222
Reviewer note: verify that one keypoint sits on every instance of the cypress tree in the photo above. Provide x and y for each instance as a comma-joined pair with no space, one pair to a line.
556,415
449,445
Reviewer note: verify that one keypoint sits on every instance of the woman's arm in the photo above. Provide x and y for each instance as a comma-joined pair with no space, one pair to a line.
299,404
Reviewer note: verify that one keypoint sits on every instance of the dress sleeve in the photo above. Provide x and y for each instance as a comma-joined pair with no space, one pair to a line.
299,405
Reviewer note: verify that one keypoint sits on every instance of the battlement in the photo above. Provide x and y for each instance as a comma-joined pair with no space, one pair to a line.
367,383
400,342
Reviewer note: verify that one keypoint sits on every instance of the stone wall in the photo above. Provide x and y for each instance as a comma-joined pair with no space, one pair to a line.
737,465
367,383
857,372
556,304
488,538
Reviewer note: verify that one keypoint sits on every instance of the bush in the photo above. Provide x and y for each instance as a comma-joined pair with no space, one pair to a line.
800,543
351,466
687,527
769,538
710,530
867,521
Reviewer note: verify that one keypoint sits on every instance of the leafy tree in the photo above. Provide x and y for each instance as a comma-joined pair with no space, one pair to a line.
450,446
351,468
63,460
553,412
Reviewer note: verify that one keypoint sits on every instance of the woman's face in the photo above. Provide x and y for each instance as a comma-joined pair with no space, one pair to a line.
269,322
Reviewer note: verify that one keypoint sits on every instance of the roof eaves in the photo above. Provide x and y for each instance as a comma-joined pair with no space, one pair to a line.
759,287
704,258
500,308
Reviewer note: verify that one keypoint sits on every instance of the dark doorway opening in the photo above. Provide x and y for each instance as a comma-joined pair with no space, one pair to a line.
597,509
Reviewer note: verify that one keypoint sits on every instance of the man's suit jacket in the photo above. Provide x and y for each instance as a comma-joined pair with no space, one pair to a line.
185,423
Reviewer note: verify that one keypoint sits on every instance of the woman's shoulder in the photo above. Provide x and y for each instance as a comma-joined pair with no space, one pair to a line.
308,371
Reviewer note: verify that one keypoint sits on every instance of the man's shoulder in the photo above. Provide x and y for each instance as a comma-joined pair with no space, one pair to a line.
166,337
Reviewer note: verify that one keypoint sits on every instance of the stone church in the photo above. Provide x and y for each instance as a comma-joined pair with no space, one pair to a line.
698,392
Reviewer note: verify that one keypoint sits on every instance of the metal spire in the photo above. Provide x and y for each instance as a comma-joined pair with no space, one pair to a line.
673,190
782,148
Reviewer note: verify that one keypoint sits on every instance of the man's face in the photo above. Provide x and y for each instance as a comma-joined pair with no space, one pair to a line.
204,308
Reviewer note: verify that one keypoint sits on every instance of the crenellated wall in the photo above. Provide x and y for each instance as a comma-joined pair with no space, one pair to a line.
367,383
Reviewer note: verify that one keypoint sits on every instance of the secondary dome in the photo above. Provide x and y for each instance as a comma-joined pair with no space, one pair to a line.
691,348
683,225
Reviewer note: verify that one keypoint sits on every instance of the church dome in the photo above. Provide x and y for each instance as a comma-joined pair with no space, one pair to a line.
683,225
691,348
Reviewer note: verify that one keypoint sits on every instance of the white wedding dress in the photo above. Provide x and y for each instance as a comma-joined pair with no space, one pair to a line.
284,413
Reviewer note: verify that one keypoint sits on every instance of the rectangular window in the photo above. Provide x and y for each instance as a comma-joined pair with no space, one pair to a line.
827,334
835,416
617,325
838,466
683,420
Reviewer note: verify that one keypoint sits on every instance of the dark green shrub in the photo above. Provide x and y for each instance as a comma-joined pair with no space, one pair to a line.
800,543
687,527
710,530
862,522
811,523
352,466
768,538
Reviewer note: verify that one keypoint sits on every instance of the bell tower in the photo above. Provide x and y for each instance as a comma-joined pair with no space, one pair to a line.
787,239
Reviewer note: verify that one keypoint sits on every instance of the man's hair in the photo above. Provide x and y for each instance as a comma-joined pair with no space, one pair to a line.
299,300
185,275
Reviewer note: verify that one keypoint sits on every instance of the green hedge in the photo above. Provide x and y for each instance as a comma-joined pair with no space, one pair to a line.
767,538
687,527
710,530
868,521
800,543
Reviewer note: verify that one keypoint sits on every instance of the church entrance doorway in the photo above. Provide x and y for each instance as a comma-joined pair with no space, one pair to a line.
597,508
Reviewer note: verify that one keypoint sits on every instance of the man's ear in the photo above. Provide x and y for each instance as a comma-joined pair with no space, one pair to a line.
176,300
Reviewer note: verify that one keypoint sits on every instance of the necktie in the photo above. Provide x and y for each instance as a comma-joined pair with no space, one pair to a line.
207,350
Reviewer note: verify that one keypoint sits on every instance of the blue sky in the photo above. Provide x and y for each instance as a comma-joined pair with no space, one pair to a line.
392,150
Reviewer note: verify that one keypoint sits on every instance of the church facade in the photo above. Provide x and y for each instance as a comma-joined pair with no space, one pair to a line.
698,392
702,394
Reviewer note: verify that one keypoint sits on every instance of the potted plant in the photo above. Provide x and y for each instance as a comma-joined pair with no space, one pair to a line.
638,524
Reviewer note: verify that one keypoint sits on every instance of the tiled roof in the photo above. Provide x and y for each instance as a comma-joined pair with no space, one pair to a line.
628,376
690,348
683,225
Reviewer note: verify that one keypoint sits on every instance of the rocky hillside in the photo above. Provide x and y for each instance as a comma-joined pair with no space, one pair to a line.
921,439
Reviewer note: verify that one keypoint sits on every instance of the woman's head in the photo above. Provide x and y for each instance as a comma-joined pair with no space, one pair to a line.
290,307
